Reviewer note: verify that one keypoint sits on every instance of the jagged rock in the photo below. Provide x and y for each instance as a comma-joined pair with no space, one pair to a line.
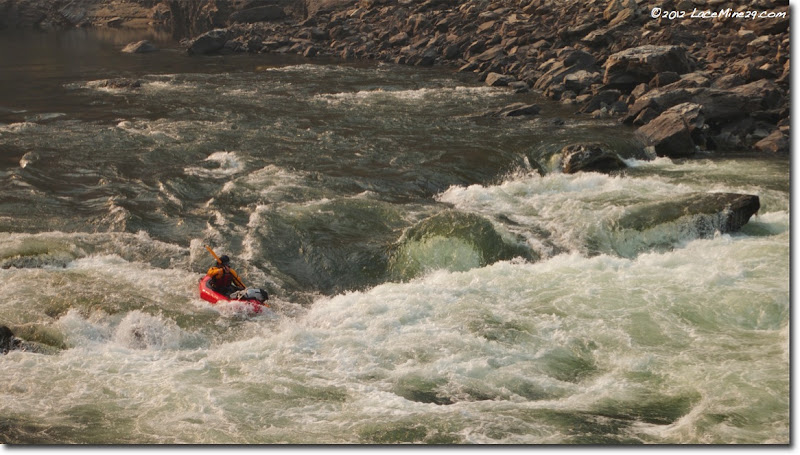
209,42
777,142
139,47
498,80
616,6
751,70
670,134
763,94
630,67
589,158
567,61
645,116
718,105
690,80
316,7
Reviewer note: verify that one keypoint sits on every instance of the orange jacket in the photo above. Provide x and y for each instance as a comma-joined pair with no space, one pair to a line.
222,277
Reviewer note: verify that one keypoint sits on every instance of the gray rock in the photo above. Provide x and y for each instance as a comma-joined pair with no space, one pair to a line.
670,134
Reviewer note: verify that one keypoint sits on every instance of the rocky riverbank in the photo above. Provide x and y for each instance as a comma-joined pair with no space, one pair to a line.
688,81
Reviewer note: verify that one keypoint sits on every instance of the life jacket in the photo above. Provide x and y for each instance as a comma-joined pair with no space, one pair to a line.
221,277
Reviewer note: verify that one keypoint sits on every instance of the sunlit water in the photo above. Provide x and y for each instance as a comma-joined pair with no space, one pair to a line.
428,284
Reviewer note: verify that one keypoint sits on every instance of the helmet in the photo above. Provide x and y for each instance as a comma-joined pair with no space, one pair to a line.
224,259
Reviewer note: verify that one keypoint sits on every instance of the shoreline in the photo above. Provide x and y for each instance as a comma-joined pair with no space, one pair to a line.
717,80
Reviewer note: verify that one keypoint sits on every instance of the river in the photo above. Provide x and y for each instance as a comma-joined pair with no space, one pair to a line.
427,284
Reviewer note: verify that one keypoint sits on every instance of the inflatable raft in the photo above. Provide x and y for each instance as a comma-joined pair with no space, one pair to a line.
255,297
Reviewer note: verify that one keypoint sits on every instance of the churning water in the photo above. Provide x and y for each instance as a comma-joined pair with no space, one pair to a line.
428,284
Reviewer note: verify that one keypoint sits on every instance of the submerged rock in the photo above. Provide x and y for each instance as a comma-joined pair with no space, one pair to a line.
660,226
140,47
121,83
455,241
705,212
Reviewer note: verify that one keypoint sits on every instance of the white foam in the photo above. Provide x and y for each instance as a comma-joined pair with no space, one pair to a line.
413,95
228,164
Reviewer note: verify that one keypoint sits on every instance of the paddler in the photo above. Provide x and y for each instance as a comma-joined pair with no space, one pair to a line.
224,279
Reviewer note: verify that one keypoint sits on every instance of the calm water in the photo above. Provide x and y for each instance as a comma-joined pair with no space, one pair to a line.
429,286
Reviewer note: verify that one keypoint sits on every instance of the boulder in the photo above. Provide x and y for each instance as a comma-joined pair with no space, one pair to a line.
763,94
258,14
589,158
630,67
776,143
705,213
670,134
718,105
139,47
498,80
209,42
